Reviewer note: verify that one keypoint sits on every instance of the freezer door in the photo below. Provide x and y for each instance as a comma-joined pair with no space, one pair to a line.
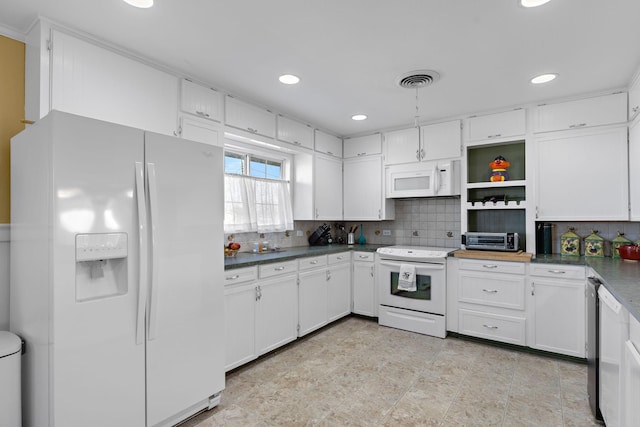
97,369
185,353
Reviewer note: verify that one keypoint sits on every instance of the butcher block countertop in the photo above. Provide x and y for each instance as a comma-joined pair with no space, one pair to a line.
494,255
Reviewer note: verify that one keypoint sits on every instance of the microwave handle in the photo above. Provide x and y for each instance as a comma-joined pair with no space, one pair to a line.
436,179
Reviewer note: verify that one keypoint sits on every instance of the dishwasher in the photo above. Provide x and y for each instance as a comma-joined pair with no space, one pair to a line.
614,331
593,344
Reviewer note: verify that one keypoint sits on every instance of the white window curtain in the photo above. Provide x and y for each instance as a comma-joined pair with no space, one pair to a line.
254,204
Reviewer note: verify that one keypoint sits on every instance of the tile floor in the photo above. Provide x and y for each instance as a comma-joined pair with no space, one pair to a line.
356,373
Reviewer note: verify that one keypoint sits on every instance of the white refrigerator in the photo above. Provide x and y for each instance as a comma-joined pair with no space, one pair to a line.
116,268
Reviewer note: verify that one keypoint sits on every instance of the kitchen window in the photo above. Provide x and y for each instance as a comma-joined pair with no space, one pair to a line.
257,198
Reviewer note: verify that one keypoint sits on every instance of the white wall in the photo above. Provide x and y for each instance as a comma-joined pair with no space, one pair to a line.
4,277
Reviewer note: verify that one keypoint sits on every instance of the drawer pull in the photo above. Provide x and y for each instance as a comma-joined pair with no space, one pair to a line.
279,268
340,257
489,266
491,291
314,262
364,256
490,326
556,271
237,276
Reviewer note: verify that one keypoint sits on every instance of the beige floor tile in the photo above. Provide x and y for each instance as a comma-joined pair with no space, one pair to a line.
357,373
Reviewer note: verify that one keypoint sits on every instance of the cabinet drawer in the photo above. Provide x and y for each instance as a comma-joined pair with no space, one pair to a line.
338,258
557,271
363,256
277,268
312,262
492,266
240,275
502,290
496,327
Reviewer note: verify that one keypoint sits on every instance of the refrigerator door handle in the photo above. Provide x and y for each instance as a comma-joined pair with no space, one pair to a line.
153,214
144,253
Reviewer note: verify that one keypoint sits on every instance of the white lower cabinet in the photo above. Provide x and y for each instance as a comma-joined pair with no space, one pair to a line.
339,286
491,300
557,314
260,315
364,284
312,294
630,410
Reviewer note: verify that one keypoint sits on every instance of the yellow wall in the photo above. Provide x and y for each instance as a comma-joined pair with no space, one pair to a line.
11,112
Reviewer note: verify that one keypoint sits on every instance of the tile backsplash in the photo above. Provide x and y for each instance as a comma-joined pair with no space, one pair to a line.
607,230
419,222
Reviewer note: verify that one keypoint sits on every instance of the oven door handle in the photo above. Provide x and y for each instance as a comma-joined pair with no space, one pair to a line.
419,265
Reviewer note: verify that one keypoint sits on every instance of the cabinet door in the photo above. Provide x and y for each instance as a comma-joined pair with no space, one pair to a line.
239,324
276,313
302,187
402,146
328,188
602,110
250,118
364,197
201,101
338,291
312,300
94,82
582,175
364,292
442,140
634,170
295,133
362,146
558,321
634,99
496,126
328,144
200,130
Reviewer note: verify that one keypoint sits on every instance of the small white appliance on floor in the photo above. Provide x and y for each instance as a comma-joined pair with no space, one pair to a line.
419,308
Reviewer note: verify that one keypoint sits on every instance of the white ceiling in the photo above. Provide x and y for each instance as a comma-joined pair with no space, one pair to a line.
349,53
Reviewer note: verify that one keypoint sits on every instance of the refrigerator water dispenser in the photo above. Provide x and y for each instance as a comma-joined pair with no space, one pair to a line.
101,265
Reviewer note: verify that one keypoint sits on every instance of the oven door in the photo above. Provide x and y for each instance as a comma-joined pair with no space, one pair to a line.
430,283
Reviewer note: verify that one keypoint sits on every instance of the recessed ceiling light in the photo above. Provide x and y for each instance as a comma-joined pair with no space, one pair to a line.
543,78
143,4
359,117
533,3
289,79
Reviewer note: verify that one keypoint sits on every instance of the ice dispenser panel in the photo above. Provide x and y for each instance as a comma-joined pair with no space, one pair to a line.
101,265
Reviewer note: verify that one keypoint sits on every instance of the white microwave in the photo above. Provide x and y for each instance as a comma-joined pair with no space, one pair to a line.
423,179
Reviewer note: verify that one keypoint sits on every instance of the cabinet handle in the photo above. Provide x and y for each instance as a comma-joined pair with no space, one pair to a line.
635,109
314,262
421,154
372,271
237,276
297,143
252,130
556,271
257,296
279,268
489,266
579,125
328,275
533,289
340,257
491,291
417,154
202,113
490,326
362,154
363,256
330,153
497,135
317,215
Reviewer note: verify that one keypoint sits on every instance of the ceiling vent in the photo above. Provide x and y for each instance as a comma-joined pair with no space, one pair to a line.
418,79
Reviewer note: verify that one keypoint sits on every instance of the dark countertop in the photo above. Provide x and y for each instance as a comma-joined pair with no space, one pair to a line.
247,259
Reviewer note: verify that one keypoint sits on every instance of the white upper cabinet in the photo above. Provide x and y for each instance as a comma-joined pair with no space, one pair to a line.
441,140
250,118
601,110
200,130
634,170
91,81
402,146
295,133
327,186
634,98
496,126
364,191
201,101
328,144
573,183
362,146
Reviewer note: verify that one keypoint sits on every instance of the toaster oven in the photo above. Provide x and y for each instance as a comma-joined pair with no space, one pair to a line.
491,241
